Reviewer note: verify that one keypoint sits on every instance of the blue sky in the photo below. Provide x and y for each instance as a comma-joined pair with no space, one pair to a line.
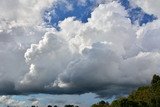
83,11
46,99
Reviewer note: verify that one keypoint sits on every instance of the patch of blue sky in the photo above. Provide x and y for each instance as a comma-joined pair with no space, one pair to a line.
71,8
82,11
136,14
22,98
84,100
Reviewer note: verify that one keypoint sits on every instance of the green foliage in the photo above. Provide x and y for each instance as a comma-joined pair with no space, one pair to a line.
141,94
115,103
101,104
124,102
155,79
145,96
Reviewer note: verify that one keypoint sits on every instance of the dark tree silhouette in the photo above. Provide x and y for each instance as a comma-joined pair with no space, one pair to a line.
69,106
49,106
102,102
155,79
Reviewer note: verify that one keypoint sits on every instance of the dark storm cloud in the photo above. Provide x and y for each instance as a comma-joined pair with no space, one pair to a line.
8,88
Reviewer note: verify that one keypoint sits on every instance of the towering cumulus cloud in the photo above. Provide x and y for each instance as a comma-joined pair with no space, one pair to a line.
107,55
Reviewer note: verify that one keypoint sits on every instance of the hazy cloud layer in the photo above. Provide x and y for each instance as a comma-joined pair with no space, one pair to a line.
8,101
107,55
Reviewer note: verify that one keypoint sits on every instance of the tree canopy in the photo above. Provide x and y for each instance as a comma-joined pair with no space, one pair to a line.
145,96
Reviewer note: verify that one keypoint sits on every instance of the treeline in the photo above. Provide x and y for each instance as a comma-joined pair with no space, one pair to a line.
57,106
50,106
146,96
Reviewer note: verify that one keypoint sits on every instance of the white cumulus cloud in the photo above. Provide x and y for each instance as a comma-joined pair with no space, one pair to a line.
107,55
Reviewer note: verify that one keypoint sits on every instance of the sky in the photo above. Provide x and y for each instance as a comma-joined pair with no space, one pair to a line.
76,51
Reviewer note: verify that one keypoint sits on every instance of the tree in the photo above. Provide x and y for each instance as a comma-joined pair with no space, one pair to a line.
155,79
69,106
124,102
49,106
115,103
145,96
152,102
142,104
102,102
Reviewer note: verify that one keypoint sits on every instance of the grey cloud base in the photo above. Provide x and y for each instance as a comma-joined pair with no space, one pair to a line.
107,55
